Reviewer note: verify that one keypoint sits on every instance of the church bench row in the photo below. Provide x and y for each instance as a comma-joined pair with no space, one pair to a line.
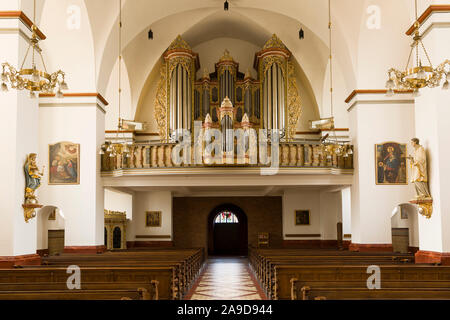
308,289
163,279
284,275
43,294
263,263
187,262
182,278
266,269
338,293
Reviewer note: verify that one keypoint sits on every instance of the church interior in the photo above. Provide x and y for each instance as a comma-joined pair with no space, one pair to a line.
225,149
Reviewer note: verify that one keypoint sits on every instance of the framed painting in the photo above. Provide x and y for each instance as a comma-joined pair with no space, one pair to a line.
153,219
390,164
302,217
64,163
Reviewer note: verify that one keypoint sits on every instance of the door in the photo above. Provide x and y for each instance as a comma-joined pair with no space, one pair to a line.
55,242
226,239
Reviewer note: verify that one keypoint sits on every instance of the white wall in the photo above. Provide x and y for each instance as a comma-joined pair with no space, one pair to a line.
330,214
433,129
19,131
301,200
82,204
152,201
119,201
376,119
346,211
69,49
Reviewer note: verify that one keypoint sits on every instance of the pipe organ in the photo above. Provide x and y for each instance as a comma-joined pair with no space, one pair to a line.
269,102
272,64
182,64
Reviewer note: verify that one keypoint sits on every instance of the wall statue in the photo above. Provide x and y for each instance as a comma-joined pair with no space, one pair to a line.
32,182
419,171
32,178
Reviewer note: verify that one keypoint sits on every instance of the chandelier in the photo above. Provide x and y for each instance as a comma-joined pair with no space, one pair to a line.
119,146
418,75
33,79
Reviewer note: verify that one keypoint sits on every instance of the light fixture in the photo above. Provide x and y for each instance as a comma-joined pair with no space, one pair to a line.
417,75
226,5
118,147
33,79
150,34
301,34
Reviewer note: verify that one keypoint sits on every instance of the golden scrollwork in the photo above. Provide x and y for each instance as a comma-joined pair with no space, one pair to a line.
427,209
274,42
226,56
294,101
270,60
179,43
184,61
161,104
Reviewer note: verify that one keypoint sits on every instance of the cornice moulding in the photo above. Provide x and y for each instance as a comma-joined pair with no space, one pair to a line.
24,19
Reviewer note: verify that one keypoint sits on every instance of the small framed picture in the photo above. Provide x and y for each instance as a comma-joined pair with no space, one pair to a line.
403,214
153,219
302,217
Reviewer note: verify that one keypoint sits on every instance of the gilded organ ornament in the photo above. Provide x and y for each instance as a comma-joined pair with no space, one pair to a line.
294,102
161,103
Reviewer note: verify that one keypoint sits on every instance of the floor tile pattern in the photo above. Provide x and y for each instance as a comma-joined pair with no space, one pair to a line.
226,279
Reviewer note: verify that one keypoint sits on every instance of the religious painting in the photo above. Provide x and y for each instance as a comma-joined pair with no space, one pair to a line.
302,217
153,218
390,166
64,163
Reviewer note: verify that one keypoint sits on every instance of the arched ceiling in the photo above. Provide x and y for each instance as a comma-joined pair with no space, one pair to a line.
249,20
199,25
221,24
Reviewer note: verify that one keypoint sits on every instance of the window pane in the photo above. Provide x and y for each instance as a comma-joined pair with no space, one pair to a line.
226,217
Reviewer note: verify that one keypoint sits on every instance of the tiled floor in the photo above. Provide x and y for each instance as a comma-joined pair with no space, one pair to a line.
226,279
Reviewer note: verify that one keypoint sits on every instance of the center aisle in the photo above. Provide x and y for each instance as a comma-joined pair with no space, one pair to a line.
226,279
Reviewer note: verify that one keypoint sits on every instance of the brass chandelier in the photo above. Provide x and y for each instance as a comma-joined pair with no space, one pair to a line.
119,146
33,79
418,75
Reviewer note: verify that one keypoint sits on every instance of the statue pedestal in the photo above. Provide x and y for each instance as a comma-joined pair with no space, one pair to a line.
425,206
29,210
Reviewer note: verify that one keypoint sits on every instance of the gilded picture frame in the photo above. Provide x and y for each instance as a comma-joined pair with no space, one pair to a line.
391,164
153,218
302,218
64,163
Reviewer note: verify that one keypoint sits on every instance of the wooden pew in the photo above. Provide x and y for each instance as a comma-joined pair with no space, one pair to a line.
112,294
158,278
284,274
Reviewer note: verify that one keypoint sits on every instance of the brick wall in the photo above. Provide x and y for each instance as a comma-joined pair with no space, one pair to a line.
190,218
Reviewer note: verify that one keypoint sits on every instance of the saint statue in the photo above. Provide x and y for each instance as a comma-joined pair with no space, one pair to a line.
32,178
419,171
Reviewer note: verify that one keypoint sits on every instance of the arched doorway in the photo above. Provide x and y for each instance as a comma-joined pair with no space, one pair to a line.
227,231
50,230
117,238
